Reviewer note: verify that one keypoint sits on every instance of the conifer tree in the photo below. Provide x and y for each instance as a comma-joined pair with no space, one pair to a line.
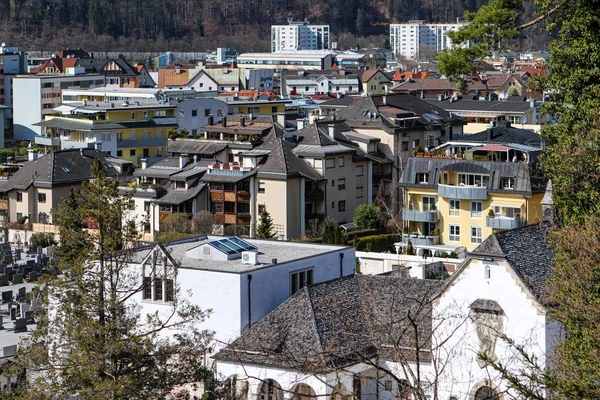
265,226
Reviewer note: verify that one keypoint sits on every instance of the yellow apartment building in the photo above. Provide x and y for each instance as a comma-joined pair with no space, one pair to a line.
127,130
452,203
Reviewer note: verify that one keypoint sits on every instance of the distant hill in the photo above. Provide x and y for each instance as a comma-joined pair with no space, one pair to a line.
42,22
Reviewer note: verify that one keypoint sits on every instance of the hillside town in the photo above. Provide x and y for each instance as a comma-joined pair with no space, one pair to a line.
311,222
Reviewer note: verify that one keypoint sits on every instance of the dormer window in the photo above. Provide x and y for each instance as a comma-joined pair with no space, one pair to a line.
507,183
179,185
473,180
422,178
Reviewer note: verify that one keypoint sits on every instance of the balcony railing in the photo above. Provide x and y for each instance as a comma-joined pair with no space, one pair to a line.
47,141
420,216
503,223
463,192
314,196
421,240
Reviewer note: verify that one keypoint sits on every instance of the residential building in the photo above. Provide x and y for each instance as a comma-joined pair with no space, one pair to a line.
377,337
410,39
402,123
193,115
375,81
434,86
128,131
457,202
299,35
480,114
337,81
119,94
36,96
30,194
12,62
305,59
240,280
118,72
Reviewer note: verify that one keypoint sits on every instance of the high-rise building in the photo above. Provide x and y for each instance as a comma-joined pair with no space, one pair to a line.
12,62
299,35
411,39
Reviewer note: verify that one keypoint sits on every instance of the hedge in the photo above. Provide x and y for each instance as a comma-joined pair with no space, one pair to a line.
377,243
352,236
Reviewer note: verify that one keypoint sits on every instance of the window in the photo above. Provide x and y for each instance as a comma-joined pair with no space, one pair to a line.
262,208
422,178
476,234
181,113
146,153
429,203
206,112
19,196
454,209
261,187
454,235
473,180
132,135
330,163
169,290
507,183
274,109
508,212
359,192
341,162
194,113
158,289
119,153
147,288
132,115
147,206
105,137
219,112
333,183
145,114
404,146
359,170
41,197
342,205
132,152
341,184
300,279
476,209
179,185
219,208
333,204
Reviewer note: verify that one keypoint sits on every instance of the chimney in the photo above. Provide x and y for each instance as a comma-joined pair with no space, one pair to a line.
183,158
211,120
331,131
300,123
243,122
274,261
195,158
224,122
144,163
490,134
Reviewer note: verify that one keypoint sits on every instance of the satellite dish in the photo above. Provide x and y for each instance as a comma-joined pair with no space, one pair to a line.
523,120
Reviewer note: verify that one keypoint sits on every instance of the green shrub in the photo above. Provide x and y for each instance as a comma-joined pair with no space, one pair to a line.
170,236
309,240
377,243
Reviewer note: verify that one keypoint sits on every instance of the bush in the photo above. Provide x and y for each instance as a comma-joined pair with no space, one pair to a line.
366,217
176,222
309,240
171,236
42,239
377,243
352,236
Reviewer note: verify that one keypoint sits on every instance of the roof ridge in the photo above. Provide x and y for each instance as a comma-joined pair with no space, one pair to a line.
314,319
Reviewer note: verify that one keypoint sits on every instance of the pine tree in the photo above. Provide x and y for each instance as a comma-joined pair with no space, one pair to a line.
265,226
93,340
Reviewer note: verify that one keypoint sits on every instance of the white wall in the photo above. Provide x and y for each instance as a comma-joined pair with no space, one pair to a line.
27,108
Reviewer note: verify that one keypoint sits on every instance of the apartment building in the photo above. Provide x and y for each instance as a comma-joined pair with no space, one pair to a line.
118,94
29,195
128,131
36,96
305,59
461,202
408,40
337,81
12,62
299,35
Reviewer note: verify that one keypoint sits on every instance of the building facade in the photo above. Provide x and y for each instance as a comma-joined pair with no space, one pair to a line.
410,39
299,35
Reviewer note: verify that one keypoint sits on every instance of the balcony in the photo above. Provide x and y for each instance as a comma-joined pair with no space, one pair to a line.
421,240
47,141
243,197
503,222
463,192
314,196
420,216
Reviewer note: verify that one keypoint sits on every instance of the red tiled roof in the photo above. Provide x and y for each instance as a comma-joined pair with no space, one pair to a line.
534,70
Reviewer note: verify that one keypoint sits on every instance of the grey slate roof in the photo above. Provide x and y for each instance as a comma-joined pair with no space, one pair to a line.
178,196
481,105
340,322
62,167
502,134
527,250
497,170
182,146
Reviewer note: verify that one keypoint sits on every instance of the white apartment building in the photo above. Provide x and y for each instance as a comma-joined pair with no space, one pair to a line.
409,39
35,96
299,35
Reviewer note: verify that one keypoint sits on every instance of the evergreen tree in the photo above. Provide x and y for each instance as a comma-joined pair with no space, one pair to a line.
329,226
265,226
93,340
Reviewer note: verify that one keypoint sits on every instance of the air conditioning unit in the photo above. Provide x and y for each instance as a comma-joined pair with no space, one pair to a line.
250,257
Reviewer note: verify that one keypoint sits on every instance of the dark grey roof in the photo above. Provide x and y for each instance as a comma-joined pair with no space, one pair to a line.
180,146
57,168
178,196
339,322
527,250
340,102
482,105
497,170
502,134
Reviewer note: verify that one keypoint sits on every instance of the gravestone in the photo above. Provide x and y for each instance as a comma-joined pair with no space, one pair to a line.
17,278
20,325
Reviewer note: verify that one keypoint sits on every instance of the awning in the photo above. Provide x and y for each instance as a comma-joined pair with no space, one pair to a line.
493,148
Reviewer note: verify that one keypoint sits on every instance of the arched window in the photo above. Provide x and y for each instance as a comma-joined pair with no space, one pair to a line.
271,390
303,392
486,393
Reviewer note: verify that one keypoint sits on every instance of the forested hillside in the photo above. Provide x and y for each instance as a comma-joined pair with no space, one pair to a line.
56,22
155,19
